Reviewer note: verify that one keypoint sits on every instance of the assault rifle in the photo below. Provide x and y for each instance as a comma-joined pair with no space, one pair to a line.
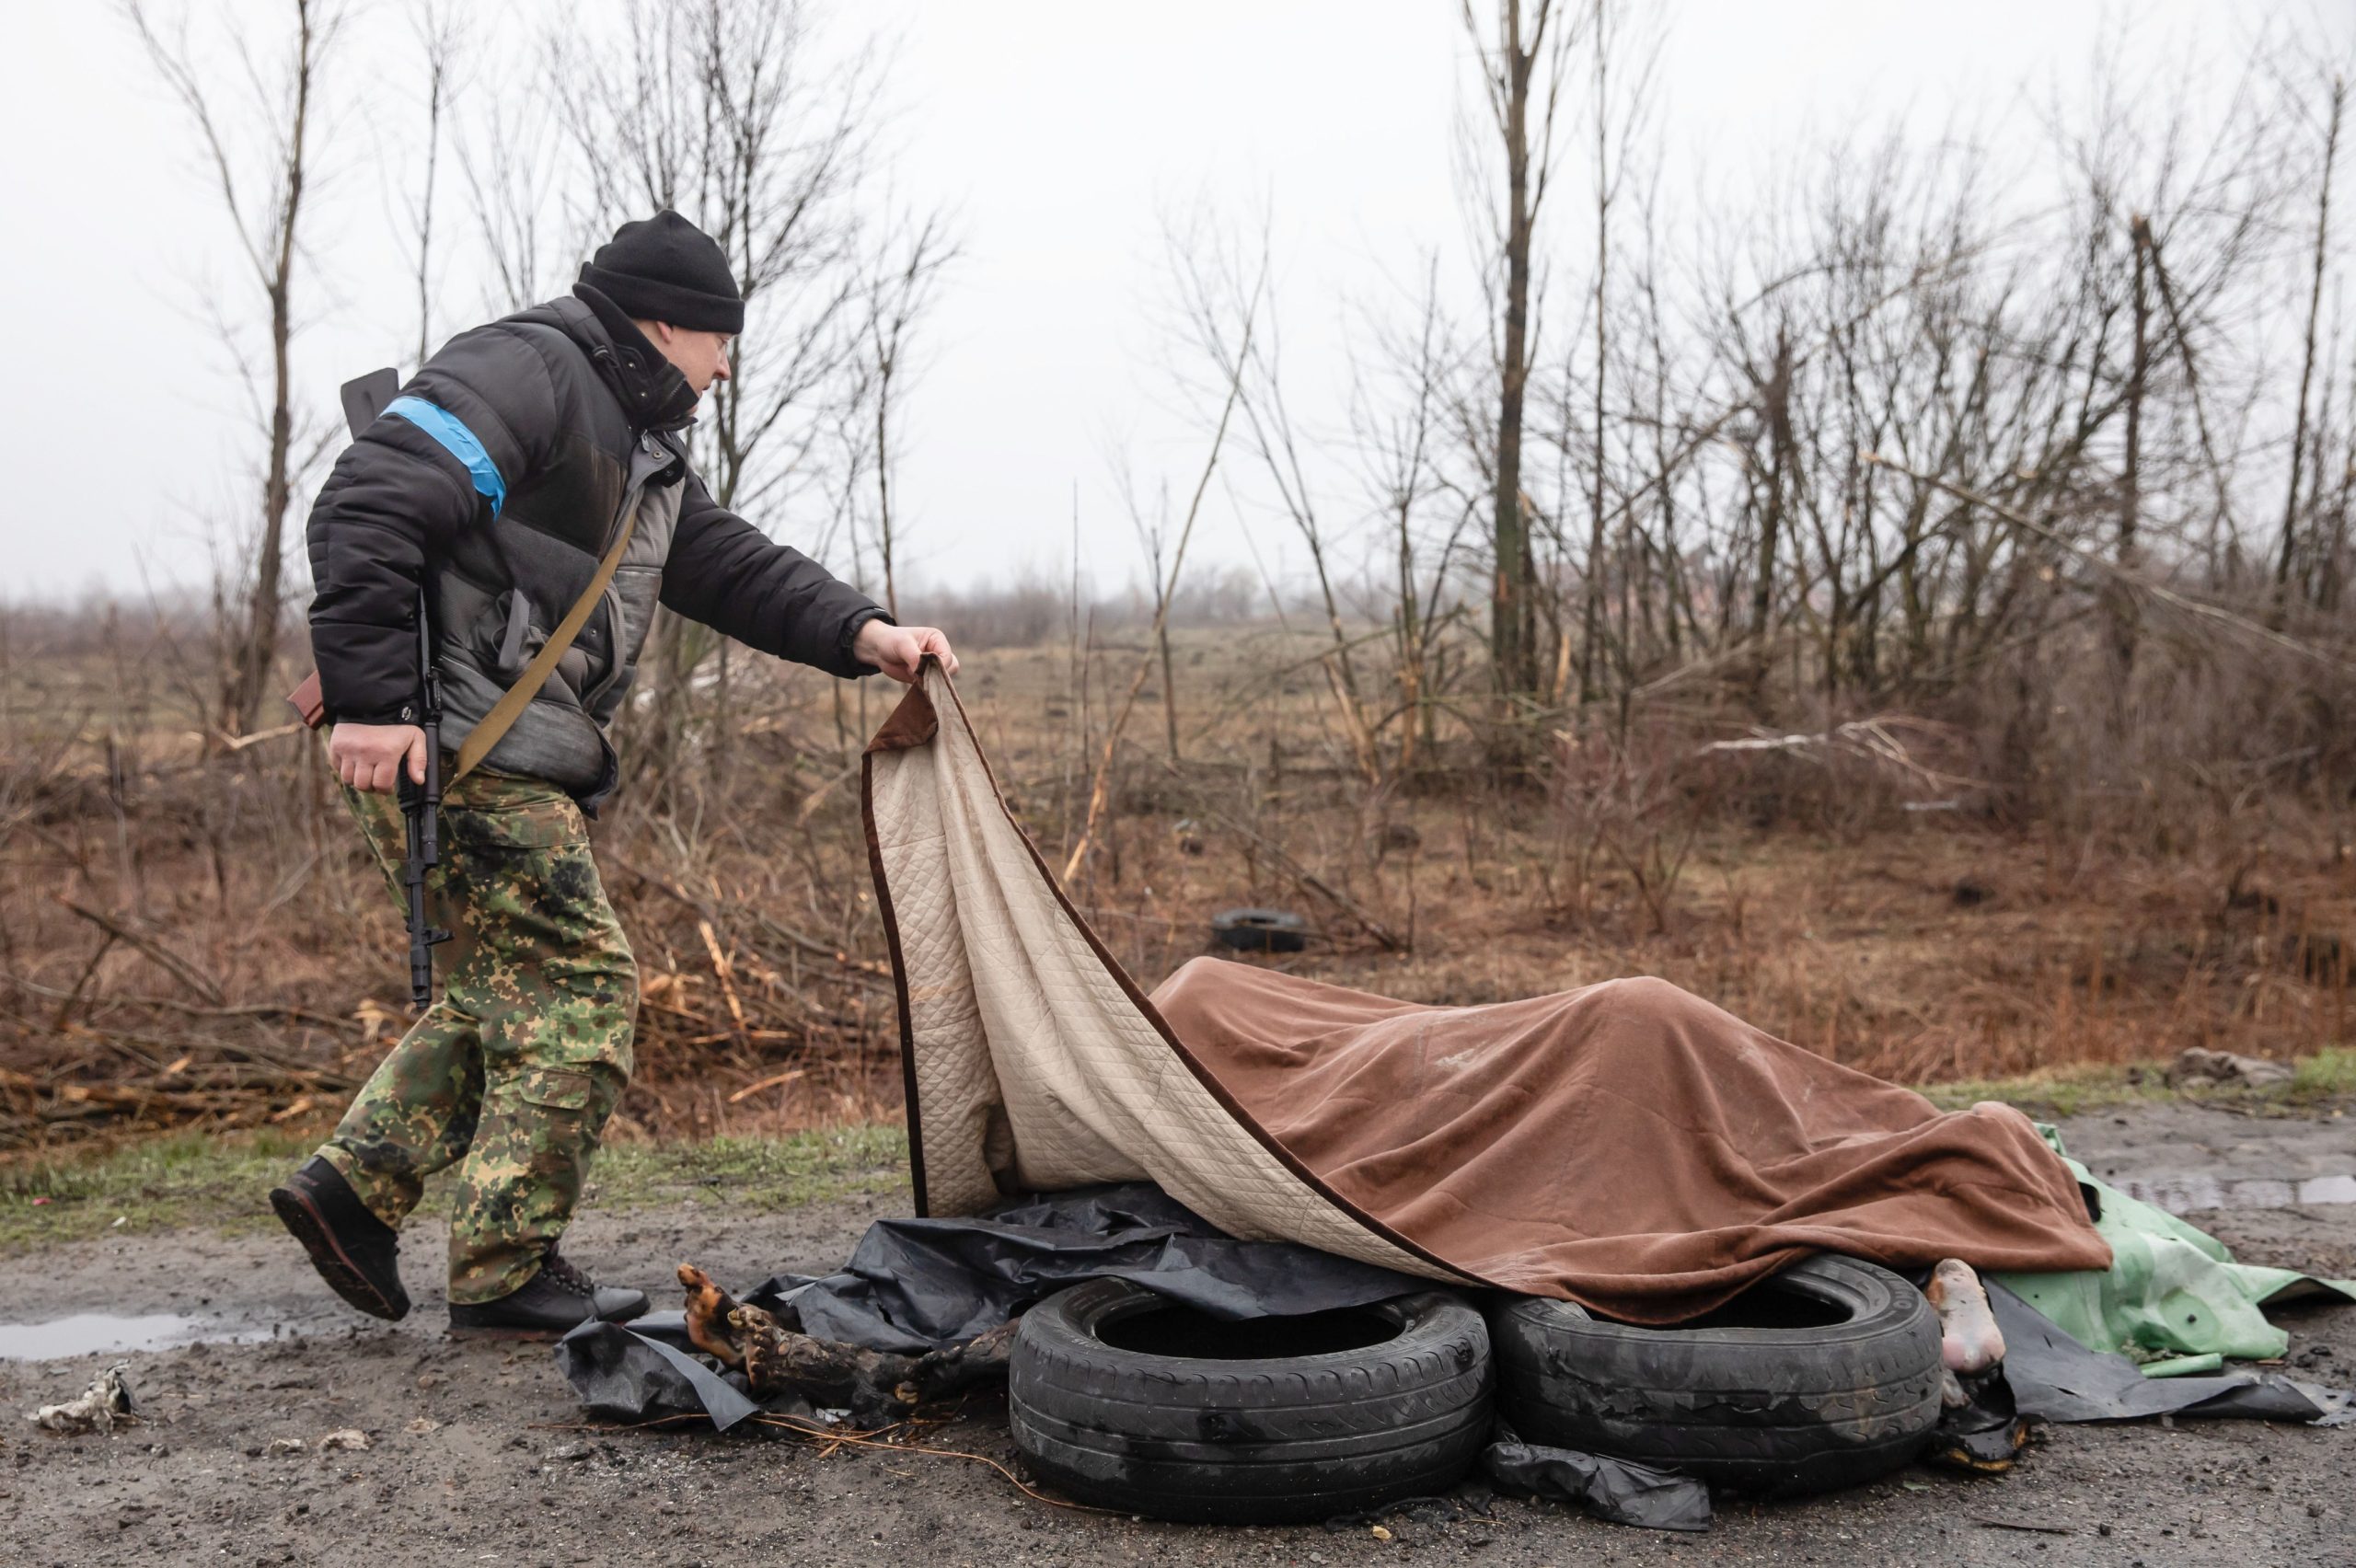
422,816
364,400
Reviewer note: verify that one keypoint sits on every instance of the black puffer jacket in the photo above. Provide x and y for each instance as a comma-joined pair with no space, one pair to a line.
499,477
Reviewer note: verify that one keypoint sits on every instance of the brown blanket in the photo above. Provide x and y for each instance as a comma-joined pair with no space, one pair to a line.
1627,1146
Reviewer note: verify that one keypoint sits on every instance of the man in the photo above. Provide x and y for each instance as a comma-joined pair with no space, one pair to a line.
508,469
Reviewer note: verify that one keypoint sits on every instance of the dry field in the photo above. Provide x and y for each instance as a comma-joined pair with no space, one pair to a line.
186,941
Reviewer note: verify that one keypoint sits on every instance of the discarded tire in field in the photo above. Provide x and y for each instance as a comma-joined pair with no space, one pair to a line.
1122,1399
1261,930
1825,1376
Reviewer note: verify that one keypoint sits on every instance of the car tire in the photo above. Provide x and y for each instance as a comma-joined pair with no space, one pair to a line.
1823,1375
1256,1438
1261,930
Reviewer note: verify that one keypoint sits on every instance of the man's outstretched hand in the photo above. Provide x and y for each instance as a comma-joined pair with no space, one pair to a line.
898,650
370,756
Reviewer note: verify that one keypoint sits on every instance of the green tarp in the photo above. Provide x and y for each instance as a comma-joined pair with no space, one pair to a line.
2172,1292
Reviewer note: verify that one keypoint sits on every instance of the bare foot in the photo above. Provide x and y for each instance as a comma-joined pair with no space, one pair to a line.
1968,1338
708,1329
767,1368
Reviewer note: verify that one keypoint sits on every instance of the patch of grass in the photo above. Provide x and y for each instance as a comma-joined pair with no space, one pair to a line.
2063,1091
181,1179
2327,1073
754,1172
2330,1074
221,1182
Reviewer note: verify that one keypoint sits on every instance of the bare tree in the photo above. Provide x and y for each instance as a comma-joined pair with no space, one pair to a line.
263,191
533,216
1239,335
904,275
2130,476
440,38
1100,783
740,114
1524,51
1396,424
1153,529
2338,103
1619,109
734,113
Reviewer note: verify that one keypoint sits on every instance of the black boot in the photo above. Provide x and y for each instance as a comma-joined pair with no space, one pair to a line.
355,1253
551,1303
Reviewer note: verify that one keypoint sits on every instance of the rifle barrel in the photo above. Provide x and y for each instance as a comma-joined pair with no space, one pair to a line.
422,808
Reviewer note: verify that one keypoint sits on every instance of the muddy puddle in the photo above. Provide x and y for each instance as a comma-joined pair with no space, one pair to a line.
2186,1194
98,1334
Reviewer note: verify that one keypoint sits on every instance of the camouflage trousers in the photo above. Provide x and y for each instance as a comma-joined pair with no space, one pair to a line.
513,1072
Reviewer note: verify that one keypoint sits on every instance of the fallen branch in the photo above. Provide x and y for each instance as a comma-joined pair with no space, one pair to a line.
872,1384
775,1080
2023,1524
65,1003
102,1098
230,742
817,797
187,1010
164,958
117,1040
1870,739
823,1434
872,973
727,984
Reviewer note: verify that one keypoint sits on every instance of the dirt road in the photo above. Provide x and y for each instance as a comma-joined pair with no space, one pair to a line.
472,1458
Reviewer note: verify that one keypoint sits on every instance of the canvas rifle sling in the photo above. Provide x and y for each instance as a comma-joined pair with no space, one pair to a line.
515,698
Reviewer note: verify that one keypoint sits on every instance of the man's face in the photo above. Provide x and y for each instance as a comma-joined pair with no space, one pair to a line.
701,357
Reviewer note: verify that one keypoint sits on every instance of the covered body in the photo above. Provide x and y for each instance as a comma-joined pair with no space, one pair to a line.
1625,1145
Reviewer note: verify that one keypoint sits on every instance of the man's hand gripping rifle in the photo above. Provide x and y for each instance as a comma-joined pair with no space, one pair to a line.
363,399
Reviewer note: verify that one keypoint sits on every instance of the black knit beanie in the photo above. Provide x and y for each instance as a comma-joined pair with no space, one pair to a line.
664,268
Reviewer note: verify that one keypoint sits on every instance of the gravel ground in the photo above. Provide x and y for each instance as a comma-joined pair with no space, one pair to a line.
475,1455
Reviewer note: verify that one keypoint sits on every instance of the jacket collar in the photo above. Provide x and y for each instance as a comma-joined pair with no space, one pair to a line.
649,387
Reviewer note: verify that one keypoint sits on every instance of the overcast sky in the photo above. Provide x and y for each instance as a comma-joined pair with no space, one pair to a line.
1059,133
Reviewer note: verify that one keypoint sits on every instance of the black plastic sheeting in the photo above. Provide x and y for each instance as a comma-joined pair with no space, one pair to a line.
621,1375
2056,1379
918,1284
1618,1491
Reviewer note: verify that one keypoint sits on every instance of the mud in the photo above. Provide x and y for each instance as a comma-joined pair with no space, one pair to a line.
476,1455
